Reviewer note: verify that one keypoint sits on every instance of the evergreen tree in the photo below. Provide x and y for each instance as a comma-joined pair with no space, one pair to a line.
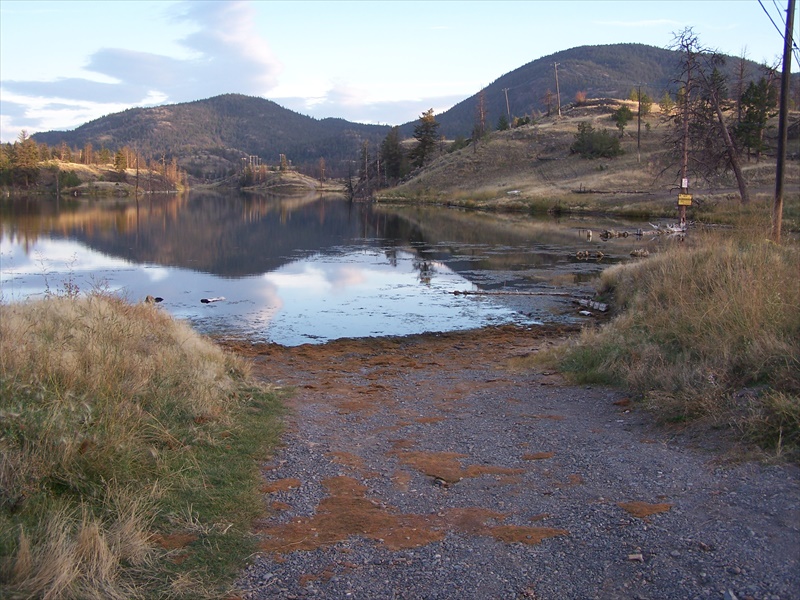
393,155
622,117
666,103
6,152
502,123
120,161
644,102
758,103
425,132
25,160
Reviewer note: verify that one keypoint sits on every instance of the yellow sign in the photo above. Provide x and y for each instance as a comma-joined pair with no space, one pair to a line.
684,199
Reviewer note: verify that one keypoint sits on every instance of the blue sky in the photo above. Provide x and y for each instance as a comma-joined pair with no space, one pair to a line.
67,62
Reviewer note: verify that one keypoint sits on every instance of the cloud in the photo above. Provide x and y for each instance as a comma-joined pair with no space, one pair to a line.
227,54
346,104
224,53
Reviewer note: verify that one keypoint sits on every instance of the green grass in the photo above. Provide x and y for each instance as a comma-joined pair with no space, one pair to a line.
708,329
120,427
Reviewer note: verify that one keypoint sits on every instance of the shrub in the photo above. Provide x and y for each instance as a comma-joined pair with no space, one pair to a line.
591,143
68,179
458,143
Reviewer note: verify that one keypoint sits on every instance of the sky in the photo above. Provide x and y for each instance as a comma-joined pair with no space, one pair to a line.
65,63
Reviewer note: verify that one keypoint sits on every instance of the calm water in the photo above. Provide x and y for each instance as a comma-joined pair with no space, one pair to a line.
305,269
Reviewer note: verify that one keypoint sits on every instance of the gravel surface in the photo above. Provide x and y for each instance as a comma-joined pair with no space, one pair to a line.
429,467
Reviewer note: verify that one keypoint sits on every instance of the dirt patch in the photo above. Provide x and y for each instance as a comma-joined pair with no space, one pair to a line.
280,485
538,455
643,509
436,466
174,541
348,512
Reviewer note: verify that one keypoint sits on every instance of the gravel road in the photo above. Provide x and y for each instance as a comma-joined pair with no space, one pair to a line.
429,467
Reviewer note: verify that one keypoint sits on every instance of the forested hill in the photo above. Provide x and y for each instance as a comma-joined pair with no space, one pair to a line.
210,137
214,134
608,71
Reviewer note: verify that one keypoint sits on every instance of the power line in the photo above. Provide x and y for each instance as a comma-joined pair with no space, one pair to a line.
778,29
769,16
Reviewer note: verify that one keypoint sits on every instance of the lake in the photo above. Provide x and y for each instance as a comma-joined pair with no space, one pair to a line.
294,270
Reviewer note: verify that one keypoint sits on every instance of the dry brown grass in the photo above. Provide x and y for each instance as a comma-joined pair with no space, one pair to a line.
79,555
530,168
107,411
709,329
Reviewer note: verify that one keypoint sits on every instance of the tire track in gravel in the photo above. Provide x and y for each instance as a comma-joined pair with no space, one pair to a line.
426,467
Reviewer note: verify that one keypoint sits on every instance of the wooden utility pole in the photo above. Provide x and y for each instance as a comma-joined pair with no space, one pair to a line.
639,124
508,109
685,162
777,209
558,92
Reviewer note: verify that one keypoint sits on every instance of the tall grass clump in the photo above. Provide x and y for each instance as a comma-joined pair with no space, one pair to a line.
116,421
710,328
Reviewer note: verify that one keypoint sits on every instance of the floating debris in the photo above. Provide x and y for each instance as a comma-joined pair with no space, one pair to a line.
668,228
613,233
586,255
601,306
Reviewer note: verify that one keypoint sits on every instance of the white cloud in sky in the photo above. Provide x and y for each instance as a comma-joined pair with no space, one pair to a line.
379,62
226,55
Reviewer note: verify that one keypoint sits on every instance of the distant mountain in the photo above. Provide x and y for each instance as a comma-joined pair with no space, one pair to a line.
608,71
211,136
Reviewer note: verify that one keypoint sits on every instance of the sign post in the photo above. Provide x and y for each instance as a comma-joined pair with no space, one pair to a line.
684,200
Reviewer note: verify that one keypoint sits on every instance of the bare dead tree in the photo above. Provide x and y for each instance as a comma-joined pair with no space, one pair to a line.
700,134
732,152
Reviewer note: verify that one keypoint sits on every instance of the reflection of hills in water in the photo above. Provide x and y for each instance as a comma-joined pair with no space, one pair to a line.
472,239
226,235
234,235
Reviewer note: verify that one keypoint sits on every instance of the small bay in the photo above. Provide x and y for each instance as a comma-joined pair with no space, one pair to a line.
305,269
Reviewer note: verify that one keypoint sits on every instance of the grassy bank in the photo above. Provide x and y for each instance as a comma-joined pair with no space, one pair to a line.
129,450
707,330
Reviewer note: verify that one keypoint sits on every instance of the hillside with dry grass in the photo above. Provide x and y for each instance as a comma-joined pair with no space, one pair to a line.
531,167
77,179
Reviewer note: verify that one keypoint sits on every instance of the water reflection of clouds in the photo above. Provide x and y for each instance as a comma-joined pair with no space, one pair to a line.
157,274
346,276
353,293
56,256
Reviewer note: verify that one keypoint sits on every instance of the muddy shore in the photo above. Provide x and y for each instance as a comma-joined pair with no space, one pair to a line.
432,467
